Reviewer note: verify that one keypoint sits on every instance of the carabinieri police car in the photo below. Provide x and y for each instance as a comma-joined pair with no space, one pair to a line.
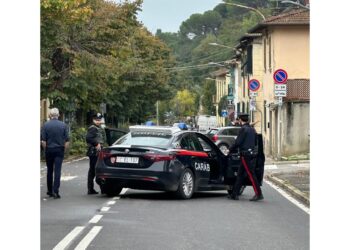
165,158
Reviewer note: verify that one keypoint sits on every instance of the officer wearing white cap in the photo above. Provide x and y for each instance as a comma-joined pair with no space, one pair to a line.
95,138
245,142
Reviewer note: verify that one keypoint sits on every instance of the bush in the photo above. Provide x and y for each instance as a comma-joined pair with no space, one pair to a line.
77,141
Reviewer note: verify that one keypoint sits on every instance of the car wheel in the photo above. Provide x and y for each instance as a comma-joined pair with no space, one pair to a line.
224,148
112,190
186,184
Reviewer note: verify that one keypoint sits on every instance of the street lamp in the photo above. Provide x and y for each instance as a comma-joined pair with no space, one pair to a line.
246,7
296,3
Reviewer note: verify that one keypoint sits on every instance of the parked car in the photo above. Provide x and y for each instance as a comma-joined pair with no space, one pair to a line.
167,159
223,137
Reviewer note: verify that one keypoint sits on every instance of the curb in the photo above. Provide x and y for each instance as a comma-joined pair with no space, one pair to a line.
286,162
296,193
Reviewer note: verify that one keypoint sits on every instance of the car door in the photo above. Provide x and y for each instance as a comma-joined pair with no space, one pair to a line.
196,158
113,134
215,157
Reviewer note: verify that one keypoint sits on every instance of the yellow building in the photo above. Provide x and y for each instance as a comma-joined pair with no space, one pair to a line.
279,42
222,79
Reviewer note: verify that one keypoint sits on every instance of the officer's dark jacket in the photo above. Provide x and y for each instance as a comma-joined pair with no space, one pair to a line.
245,140
95,135
54,133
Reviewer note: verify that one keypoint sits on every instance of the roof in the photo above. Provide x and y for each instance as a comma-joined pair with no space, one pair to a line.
220,72
292,17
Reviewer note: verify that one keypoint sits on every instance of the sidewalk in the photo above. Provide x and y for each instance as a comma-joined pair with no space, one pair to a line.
292,176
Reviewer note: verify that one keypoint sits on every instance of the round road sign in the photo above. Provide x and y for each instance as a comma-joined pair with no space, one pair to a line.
280,76
254,85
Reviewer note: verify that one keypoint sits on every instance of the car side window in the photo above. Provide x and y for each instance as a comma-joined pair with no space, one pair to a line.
196,145
205,145
233,131
184,143
224,132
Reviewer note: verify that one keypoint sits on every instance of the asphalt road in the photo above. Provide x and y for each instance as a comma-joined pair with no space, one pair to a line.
156,220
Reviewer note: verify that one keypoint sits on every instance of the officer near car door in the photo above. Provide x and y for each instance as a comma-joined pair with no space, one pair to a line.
95,138
245,142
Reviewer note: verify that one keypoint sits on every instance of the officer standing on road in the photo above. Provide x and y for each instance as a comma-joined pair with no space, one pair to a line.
95,138
245,142
54,139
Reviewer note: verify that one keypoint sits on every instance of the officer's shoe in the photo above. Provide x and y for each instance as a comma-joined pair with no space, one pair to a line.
92,191
257,198
233,196
50,194
56,196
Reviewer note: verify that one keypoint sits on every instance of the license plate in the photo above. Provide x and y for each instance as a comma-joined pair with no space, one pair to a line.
132,160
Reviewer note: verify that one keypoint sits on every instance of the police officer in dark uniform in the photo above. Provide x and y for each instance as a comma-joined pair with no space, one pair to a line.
95,138
55,140
245,142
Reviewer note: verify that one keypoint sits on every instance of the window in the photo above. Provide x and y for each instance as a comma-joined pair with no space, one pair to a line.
250,59
265,54
205,145
243,107
190,143
233,131
270,54
265,115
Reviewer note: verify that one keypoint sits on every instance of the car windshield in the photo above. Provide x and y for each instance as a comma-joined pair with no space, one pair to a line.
146,139
213,132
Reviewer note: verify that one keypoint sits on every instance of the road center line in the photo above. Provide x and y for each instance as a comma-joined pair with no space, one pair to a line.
84,243
111,203
96,218
105,209
289,197
66,240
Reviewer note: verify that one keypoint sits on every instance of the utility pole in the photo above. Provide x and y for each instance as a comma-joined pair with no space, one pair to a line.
157,104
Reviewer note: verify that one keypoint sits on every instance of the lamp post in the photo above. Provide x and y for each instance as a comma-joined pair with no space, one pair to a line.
245,7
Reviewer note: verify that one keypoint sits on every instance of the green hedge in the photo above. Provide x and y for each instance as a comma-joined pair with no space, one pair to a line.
77,141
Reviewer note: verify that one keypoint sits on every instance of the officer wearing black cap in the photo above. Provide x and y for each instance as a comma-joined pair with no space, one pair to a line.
245,142
95,138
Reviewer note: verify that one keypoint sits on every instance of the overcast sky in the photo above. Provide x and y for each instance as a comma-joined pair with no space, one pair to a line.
168,15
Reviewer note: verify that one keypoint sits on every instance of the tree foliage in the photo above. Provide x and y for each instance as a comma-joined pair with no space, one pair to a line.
94,52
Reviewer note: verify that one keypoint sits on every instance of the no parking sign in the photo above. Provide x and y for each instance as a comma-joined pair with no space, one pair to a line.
280,76
253,85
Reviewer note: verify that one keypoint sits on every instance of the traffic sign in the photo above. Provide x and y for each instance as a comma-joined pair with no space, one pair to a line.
252,104
280,93
281,87
254,85
280,76
280,100
251,94
224,113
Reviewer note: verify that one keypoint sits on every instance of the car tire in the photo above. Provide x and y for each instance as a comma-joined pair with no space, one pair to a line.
112,190
224,148
186,184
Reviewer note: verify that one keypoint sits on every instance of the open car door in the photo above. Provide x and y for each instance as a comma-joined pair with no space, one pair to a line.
114,134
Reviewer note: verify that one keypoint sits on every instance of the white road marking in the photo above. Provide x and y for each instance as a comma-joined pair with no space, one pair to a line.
96,218
289,197
68,178
116,198
84,243
124,190
111,202
66,240
105,209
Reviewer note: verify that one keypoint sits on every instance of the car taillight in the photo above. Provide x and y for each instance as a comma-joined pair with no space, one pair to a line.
159,157
215,138
103,154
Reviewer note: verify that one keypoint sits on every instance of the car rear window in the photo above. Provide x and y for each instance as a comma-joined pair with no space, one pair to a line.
213,132
152,140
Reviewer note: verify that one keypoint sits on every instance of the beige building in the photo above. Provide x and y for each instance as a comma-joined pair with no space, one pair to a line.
222,79
279,42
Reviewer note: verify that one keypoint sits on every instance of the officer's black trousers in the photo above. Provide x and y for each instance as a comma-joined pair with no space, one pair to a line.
247,168
91,174
54,159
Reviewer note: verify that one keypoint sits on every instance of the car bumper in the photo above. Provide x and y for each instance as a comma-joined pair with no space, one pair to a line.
138,178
